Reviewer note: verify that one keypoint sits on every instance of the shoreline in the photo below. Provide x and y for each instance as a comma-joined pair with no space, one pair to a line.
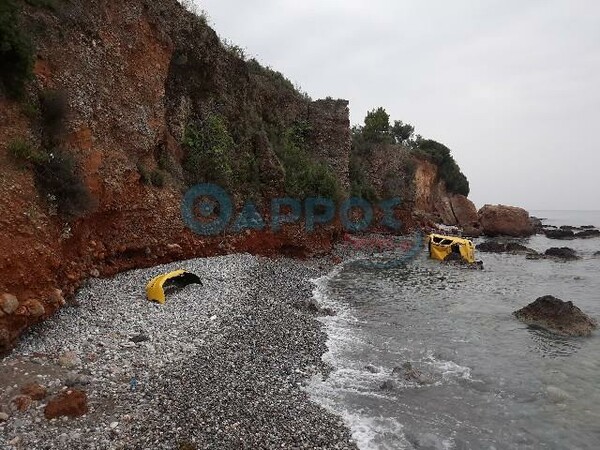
219,365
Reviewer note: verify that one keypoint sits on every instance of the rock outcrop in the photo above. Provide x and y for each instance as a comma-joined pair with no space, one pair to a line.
431,197
131,85
565,253
559,234
504,247
502,220
557,316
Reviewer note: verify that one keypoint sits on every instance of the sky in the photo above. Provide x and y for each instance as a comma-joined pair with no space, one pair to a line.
511,87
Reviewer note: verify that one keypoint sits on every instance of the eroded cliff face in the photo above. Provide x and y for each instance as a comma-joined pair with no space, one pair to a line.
433,200
394,171
134,74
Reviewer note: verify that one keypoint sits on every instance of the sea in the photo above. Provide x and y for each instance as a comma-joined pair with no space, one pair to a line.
485,380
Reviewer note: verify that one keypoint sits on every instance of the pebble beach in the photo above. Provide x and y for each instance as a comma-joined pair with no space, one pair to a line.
220,365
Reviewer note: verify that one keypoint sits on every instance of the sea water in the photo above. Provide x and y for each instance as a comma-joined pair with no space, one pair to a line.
491,382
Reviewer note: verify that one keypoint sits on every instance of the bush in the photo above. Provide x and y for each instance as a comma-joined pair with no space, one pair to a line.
208,146
157,178
304,176
359,185
54,107
16,50
455,180
22,150
57,178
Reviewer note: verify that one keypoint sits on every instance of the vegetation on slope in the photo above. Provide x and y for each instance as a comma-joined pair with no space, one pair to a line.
378,130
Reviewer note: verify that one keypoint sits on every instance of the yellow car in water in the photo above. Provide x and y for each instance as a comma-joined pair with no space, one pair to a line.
444,248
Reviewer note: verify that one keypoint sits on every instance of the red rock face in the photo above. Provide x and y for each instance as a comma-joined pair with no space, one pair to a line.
466,215
72,403
501,220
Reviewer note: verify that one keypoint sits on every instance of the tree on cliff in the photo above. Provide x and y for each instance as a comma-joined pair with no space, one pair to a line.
440,155
377,126
402,132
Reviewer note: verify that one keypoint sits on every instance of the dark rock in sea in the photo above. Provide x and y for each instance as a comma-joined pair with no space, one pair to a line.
388,385
565,253
587,234
597,254
513,247
371,368
504,247
559,234
568,227
492,247
557,316
537,224
409,373
311,305
587,227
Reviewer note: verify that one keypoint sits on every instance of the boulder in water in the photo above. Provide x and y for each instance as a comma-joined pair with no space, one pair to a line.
566,253
587,234
502,220
557,316
502,247
410,373
559,234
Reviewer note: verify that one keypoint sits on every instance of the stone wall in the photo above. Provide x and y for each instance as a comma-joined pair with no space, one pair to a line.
330,137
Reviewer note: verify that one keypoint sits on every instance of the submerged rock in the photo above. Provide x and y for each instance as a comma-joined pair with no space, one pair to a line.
504,247
371,368
410,373
559,234
587,234
557,316
566,253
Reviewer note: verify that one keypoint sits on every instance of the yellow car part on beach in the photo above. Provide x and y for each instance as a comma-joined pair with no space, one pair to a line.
442,247
155,289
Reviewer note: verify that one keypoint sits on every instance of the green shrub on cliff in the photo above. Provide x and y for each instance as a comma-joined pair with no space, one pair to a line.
304,175
440,155
16,50
208,147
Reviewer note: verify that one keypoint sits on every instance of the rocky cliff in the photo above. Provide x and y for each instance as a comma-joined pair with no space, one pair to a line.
130,103
125,79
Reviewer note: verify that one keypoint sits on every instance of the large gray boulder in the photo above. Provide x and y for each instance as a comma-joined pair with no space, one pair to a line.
557,316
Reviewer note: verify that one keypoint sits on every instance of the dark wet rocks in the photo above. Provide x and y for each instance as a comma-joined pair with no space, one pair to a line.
312,306
412,374
371,368
559,234
597,254
564,253
504,247
557,316
571,233
389,385
587,234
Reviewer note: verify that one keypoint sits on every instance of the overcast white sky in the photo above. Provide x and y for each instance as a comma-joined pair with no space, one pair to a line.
512,87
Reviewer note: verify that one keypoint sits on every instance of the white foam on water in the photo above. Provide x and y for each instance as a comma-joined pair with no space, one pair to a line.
449,369
350,379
